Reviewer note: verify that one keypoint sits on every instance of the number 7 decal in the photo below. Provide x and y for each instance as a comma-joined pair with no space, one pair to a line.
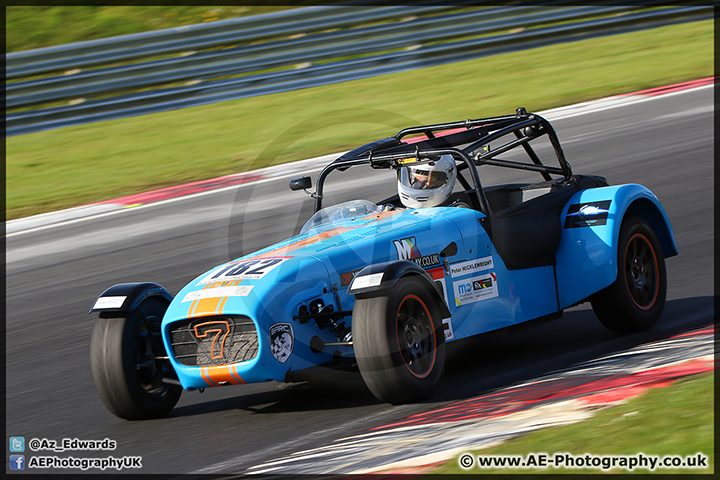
217,327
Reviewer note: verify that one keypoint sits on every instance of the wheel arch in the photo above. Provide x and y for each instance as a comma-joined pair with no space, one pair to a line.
586,260
648,210
121,299
378,279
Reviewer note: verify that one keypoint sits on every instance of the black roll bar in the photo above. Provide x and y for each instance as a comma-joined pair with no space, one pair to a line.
390,160
525,127
447,126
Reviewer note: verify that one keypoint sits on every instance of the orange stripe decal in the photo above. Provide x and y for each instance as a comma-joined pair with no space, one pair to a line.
326,235
191,309
222,374
206,306
216,375
194,304
234,372
308,241
203,372
221,305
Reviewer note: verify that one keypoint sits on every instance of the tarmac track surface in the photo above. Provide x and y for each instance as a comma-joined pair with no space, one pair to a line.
54,275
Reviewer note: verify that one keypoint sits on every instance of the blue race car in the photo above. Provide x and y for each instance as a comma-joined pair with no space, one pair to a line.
382,286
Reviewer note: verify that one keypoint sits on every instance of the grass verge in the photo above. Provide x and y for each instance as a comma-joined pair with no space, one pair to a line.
71,166
674,420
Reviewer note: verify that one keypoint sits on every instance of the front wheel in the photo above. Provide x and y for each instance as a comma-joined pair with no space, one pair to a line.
398,342
636,299
127,364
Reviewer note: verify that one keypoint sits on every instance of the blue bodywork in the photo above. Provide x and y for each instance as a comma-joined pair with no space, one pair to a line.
273,287
380,287
586,257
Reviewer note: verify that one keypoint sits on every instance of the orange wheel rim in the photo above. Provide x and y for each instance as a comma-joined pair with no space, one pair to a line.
641,272
416,336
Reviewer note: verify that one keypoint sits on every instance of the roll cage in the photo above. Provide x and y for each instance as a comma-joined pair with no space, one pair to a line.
467,141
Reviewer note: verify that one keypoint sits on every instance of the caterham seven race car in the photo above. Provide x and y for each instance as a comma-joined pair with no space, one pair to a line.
381,286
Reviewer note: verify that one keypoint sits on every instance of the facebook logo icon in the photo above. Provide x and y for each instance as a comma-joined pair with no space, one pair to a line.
17,462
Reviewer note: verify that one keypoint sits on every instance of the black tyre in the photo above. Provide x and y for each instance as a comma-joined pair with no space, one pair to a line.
398,342
124,358
636,299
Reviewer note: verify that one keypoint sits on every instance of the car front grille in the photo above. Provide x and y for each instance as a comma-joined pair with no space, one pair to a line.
214,340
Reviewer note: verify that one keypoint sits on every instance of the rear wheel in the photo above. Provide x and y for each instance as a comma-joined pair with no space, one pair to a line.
636,299
126,367
398,342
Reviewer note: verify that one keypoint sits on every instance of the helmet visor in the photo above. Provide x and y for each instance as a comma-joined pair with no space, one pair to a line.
421,177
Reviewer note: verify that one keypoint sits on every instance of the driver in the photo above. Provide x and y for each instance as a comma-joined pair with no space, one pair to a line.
427,185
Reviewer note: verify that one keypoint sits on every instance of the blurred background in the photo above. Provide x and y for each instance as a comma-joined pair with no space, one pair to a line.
147,97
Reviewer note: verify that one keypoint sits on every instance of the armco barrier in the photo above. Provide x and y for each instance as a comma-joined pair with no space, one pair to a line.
287,50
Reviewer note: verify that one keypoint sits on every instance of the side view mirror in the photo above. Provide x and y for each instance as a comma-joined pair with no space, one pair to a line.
303,183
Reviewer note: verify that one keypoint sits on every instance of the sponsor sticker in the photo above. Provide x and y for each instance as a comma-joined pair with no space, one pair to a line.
407,249
252,269
403,161
471,266
282,341
438,277
447,329
235,291
109,302
587,214
475,289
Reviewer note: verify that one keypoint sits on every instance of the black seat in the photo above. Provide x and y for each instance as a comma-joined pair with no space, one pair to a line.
527,234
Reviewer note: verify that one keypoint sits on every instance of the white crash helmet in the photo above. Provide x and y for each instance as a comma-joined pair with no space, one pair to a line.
428,184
